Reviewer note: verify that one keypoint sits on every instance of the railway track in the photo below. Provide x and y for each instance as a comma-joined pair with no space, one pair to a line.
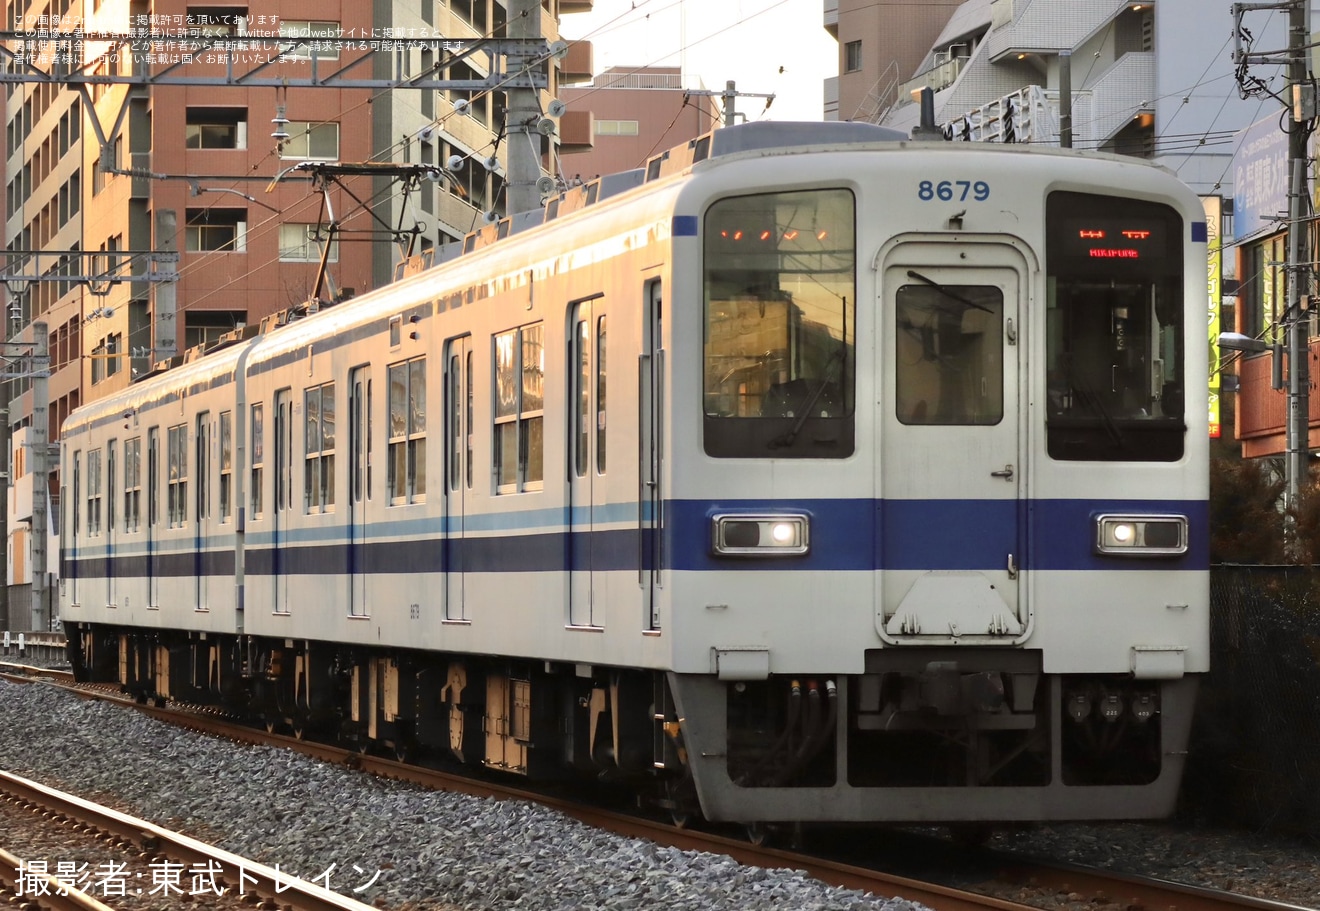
1011,883
179,870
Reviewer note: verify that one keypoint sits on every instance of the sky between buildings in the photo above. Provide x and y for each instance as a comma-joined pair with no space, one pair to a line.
777,47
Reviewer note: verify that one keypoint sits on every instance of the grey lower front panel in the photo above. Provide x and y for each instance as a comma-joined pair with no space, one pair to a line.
701,703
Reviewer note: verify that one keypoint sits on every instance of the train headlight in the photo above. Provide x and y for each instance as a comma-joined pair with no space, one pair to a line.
760,535
1141,536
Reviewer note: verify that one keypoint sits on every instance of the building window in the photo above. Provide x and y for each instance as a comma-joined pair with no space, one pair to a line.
216,128
519,385
226,466
302,243
407,455
216,230
132,484
318,141
94,492
616,127
258,459
114,343
98,362
852,56
319,467
311,48
177,488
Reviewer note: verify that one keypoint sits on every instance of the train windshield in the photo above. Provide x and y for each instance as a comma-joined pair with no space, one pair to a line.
1115,320
780,308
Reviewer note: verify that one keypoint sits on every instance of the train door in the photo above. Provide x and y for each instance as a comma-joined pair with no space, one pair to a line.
951,472
458,471
111,463
283,499
650,499
203,524
359,483
153,514
587,462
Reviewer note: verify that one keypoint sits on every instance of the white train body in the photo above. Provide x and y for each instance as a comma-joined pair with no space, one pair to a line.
828,477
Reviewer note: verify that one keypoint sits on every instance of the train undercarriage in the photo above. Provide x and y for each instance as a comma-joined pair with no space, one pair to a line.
924,736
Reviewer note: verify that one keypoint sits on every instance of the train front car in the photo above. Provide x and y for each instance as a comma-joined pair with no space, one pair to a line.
938,533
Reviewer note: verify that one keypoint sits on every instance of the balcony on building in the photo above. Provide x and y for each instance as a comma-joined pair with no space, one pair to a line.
576,132
578,64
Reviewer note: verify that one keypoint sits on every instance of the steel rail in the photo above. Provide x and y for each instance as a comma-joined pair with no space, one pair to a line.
234,871
39,889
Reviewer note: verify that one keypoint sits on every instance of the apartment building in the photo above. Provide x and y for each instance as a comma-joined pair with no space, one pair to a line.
627,114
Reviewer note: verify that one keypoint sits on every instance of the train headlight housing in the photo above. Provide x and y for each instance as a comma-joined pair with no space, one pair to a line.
1141,536
760,535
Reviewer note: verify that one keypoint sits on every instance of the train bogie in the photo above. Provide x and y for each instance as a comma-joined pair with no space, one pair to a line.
817,476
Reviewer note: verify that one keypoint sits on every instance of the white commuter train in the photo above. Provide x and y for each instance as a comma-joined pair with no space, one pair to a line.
808,474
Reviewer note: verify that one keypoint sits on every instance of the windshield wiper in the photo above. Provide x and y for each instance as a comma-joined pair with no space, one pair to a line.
786,439
951,295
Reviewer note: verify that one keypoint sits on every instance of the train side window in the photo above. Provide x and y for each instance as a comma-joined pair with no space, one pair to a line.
153,476
600,395
226,466
109,499
203,481
406,468
456,433
132,484
93,493
258,460
588,392
77,491
780,298
177,480
519,450
319,448
467,424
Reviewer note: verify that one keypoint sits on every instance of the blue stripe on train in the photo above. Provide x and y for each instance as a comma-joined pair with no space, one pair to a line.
846,535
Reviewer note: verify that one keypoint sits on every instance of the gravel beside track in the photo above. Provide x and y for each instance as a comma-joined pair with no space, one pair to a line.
431,849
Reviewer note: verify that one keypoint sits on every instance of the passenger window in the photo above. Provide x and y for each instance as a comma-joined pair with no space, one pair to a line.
519,385
406,469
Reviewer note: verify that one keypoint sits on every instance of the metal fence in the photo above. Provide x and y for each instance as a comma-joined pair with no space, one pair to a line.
1255,753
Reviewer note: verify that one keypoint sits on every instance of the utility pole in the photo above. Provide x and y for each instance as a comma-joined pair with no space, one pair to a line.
524,112
1298,321
39,459
730,97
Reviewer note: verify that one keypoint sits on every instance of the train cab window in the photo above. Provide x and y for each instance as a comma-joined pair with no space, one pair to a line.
132,484
519,448
780,295
319,464
177,481
94,493
406,469
1114,329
